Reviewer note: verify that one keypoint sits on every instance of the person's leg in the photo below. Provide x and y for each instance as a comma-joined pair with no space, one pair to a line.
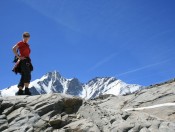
20,86
27,78
26,84
27,91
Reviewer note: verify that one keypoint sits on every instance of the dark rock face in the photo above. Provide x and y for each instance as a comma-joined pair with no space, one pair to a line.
74,87
35,92
150,110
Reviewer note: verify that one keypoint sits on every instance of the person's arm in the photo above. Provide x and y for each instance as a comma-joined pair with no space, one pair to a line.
15,48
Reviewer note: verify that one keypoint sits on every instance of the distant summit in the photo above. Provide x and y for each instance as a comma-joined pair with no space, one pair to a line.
54,82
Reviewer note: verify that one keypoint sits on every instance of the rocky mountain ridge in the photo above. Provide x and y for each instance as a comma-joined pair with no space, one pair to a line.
149,110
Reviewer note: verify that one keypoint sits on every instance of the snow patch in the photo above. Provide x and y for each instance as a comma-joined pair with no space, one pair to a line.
151,107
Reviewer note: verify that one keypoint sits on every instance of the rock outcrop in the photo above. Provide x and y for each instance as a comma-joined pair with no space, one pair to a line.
37,113
150,110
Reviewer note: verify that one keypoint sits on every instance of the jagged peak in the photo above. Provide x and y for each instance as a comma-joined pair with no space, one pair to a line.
53,74
96,79
74,79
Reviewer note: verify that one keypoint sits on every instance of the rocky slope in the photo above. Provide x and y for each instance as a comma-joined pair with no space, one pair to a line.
53,82
150,110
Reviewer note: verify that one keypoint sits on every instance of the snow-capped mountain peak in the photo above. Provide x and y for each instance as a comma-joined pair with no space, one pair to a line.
108,85
55,75
53,82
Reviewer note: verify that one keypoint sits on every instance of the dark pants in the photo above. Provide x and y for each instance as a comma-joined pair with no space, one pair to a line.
25,72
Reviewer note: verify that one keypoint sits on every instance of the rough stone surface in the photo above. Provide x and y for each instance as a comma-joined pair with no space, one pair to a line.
150,110
38,113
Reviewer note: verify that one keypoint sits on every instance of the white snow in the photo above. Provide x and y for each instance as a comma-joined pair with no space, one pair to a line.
108,86
83,94
43,78
9,91
151,107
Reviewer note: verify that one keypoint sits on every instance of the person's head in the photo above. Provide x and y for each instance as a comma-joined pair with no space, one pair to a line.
26,36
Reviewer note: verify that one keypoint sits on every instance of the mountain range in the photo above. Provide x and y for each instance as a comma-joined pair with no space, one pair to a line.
54,82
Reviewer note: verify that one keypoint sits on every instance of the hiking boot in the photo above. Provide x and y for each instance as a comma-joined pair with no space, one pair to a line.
27,91
20,92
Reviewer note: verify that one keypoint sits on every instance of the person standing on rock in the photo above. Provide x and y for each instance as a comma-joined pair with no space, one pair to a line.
23,64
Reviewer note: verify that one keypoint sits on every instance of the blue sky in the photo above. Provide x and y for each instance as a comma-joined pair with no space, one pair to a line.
132,40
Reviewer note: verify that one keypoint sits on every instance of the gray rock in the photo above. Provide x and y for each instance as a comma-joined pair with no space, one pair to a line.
107,113
83,125
38,113
144,130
